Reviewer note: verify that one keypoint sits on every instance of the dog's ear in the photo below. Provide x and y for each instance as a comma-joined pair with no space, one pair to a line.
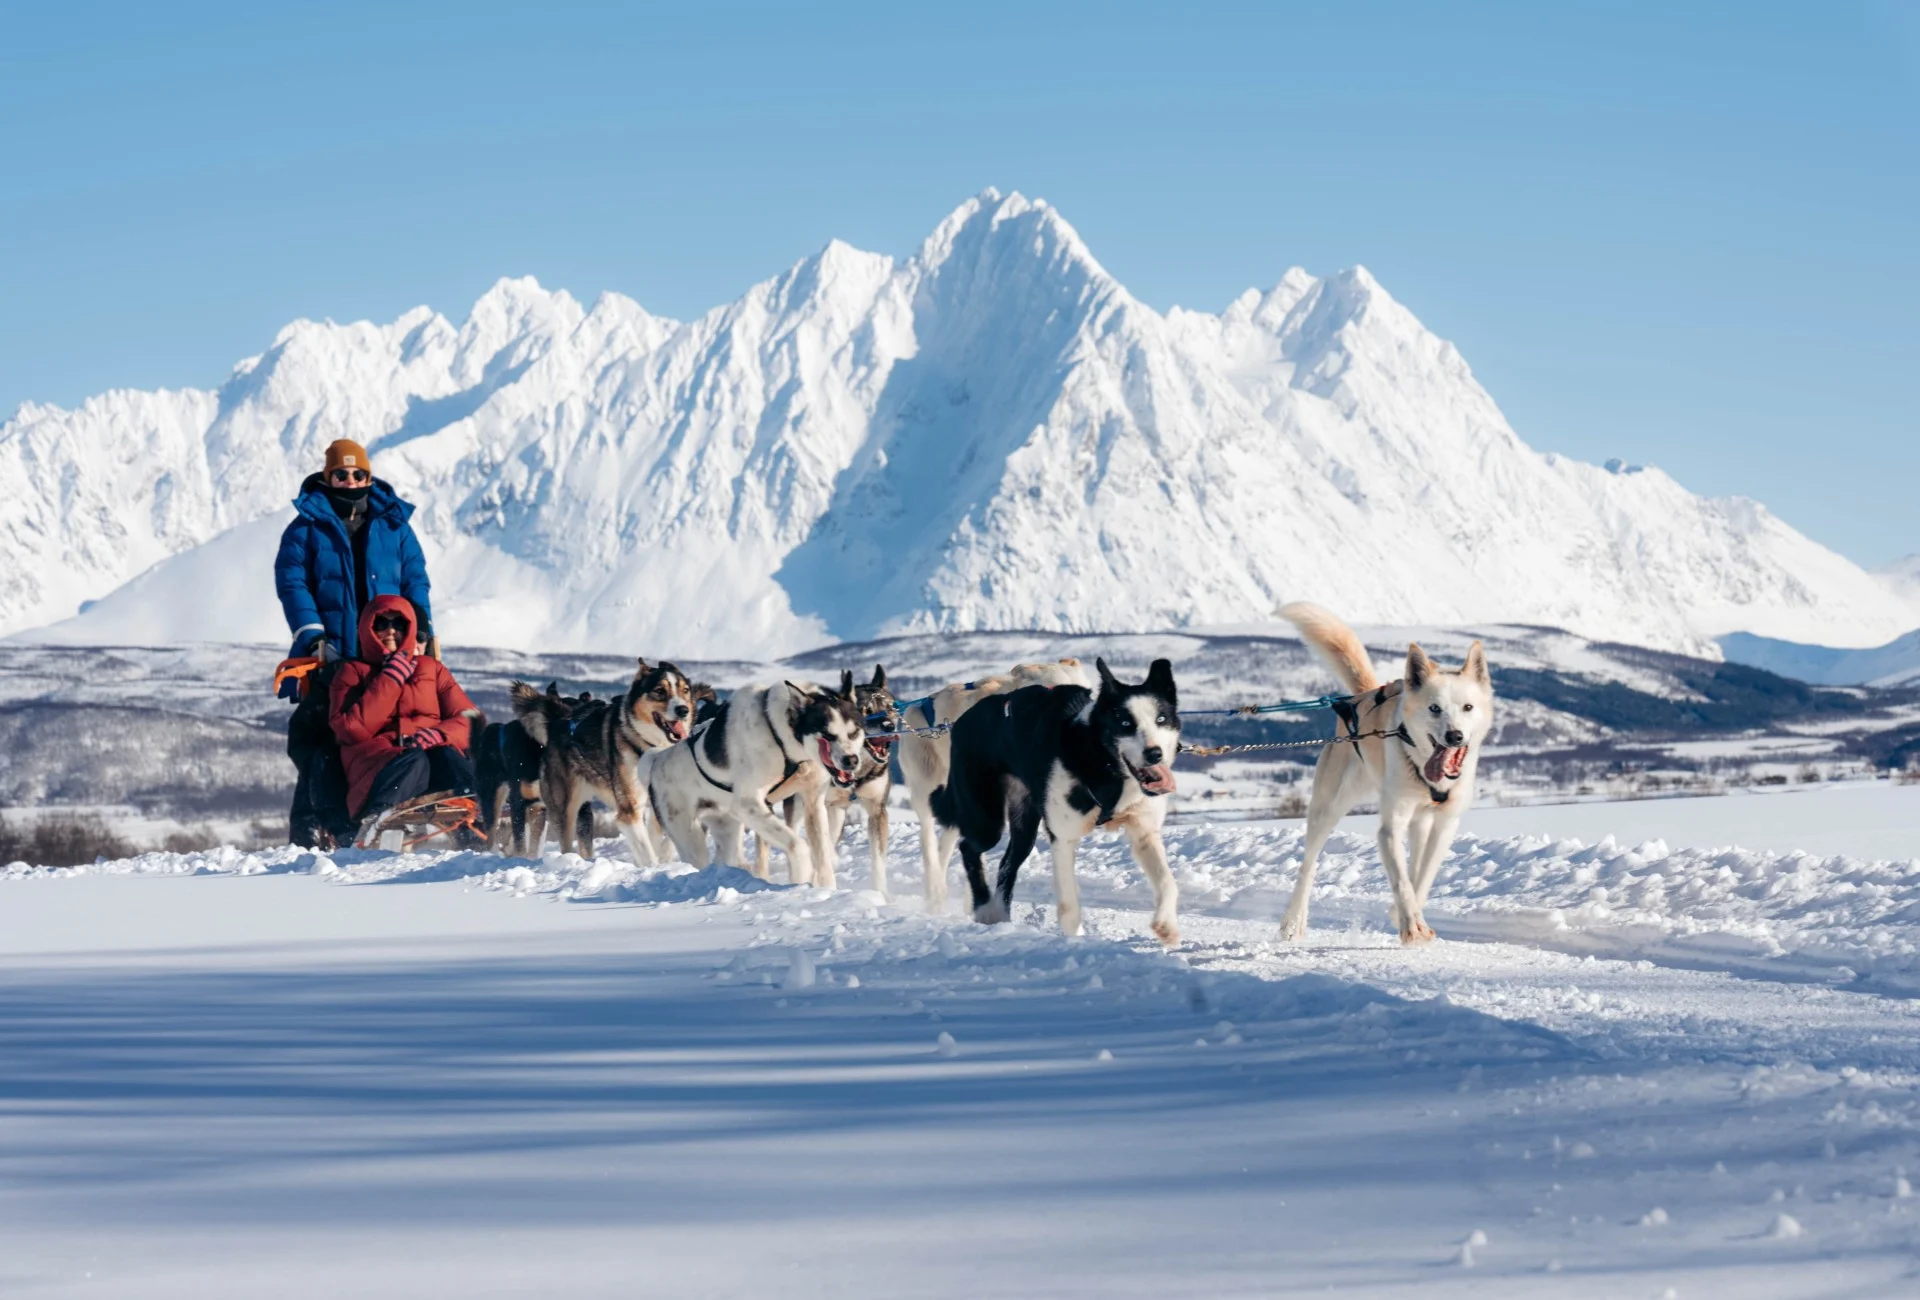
1420,669
1475,668
799,692
846,683
1109,684
553,689
879,682
1160,681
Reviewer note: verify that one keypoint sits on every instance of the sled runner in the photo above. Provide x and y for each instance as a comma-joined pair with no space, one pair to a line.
411,824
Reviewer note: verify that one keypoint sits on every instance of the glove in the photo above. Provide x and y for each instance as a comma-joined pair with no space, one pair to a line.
425,738
400,667
324,650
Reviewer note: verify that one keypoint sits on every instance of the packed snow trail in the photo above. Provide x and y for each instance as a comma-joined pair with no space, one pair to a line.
458,1076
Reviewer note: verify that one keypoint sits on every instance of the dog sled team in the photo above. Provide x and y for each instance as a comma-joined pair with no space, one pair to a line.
391,752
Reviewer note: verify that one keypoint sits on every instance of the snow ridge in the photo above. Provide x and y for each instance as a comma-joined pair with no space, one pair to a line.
991,433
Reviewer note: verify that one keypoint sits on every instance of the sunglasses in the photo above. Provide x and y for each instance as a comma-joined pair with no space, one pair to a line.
389,623
350,476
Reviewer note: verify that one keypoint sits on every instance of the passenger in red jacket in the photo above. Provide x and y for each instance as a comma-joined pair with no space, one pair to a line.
402,721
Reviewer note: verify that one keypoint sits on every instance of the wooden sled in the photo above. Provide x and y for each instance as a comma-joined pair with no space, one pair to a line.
408,825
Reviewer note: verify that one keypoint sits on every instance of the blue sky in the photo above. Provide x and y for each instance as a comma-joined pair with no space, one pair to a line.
1685,235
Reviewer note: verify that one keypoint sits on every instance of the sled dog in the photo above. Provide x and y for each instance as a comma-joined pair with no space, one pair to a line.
924,759
764,745
1068,759
872,782
1422,772
506,765
593,750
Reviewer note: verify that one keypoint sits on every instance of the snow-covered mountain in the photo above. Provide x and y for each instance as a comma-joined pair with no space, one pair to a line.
1902,578
992,433
1896,663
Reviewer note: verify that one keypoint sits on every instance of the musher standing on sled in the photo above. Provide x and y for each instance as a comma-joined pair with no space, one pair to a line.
350,541
403,723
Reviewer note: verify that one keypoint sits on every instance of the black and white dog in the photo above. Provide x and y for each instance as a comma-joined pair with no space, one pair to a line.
764,745
1071,760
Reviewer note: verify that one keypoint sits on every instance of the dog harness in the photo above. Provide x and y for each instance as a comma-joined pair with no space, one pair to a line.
1348,711
694,739
791,767
766,702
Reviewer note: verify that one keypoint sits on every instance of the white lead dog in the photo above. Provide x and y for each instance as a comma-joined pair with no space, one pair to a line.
1422,770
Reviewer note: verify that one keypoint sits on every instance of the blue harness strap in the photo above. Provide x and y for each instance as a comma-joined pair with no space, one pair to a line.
1284,706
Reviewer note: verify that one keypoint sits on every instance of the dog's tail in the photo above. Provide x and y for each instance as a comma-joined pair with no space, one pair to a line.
536,711
1334,643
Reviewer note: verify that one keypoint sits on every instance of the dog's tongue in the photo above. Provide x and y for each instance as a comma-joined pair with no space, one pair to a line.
1445,764
826,759
676,730
1157,779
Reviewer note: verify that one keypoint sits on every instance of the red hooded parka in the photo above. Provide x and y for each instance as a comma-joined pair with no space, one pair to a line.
370,711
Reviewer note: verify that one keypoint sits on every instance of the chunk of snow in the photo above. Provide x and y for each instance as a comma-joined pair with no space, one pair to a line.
800,970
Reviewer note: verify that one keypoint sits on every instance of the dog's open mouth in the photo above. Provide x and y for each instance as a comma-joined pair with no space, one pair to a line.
1444,764
1157,779
879,748
676,729
833,769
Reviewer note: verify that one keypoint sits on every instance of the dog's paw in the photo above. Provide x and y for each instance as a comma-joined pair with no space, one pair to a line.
1293,928
994,913
1416,933
1167,932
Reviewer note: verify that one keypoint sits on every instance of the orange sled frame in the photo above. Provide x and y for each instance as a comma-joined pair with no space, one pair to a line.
418,820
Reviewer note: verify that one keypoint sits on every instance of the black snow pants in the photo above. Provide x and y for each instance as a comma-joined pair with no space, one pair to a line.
416,772
320,782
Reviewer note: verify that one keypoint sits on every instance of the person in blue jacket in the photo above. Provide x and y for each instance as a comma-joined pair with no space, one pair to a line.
349,542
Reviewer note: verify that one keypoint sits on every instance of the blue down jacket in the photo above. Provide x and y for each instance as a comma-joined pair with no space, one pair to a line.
314,569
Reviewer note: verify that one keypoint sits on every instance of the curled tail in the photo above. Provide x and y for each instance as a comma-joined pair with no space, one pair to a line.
536,711
1334,644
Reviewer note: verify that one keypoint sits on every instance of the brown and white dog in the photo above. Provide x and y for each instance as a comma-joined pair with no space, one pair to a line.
593,751
1422,772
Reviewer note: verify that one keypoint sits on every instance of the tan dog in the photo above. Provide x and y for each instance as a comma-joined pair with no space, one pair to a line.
593,752
1422,773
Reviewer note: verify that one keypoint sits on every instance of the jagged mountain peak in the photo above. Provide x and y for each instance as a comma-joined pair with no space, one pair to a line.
990,432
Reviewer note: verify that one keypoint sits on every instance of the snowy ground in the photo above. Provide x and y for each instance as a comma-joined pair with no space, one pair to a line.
1628,1069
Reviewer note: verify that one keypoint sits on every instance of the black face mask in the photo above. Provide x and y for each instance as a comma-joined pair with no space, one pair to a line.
346,500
